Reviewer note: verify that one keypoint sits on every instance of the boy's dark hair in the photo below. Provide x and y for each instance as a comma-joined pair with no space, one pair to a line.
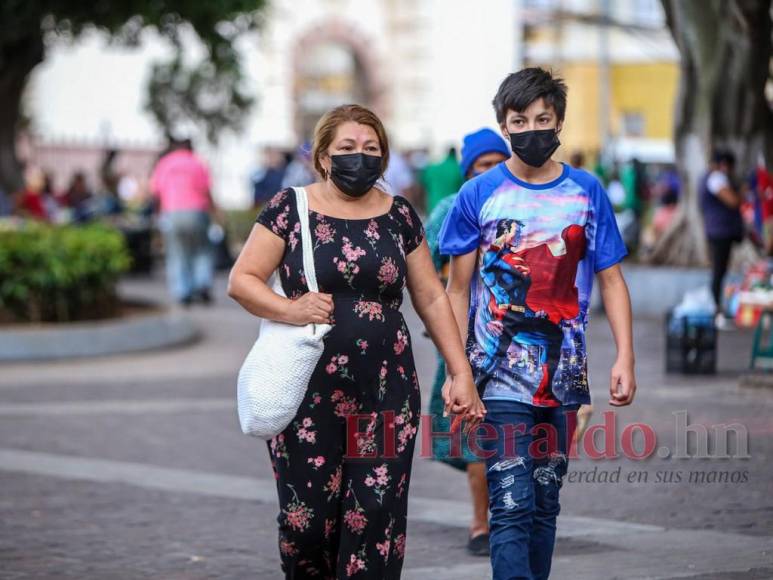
522,88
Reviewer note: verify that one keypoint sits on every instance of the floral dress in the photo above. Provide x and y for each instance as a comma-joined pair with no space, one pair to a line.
343,465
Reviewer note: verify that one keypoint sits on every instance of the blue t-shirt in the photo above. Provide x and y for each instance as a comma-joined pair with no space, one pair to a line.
538,248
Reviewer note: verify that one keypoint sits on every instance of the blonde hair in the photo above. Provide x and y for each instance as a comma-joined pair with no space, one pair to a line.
324,132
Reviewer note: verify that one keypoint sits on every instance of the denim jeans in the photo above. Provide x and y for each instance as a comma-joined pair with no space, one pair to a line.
525,473
189,253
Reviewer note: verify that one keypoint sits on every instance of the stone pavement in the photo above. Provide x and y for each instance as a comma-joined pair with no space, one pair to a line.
133,466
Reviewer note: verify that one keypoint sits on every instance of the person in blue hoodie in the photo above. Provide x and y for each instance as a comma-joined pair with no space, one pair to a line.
481,151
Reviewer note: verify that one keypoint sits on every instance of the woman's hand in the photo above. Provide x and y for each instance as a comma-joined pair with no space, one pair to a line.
311,308
460,396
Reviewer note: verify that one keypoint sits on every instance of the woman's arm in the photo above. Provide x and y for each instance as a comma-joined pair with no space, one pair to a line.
261,255
433,307
617,305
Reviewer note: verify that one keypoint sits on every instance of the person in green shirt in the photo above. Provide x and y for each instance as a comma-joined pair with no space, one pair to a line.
442,179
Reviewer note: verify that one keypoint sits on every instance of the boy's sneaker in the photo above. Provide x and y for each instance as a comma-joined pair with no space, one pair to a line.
479,545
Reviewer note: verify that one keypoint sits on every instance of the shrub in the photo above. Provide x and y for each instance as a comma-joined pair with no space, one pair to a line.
59,273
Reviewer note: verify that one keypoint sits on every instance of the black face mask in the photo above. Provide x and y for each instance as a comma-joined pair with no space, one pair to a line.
355,173
534,148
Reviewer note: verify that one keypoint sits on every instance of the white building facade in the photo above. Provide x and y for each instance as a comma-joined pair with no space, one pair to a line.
429,68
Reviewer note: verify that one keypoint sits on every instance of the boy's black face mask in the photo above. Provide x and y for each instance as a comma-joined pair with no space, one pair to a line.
355,173
534,148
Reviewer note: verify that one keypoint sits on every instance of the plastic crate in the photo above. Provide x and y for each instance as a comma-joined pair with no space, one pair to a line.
691,344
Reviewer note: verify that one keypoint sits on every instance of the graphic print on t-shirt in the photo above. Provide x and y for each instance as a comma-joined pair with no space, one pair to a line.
538,248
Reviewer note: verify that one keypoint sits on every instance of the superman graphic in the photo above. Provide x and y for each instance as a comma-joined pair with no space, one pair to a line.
532,290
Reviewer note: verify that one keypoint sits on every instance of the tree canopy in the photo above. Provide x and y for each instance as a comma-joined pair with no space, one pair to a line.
206,93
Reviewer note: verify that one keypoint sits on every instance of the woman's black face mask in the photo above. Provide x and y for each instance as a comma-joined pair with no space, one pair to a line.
534,148
355,173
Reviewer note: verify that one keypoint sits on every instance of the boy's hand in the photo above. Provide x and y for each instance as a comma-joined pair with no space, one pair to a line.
622,383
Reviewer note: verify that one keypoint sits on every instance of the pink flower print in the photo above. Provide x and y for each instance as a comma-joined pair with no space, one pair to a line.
407,429
287,548
402,342
316,462
383,548
355,520
355,565
348,267
304,430
373,310
401,372
297,514
399,548
371,232
333,486
324,233
369,481
329,527
281,221
293,238
366,441
403,209
401,485
344,406
382,478
277,199
382,382
362,345
278,447
387,273
338,364
350,253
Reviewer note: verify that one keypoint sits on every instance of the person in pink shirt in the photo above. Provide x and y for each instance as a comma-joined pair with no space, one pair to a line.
181,184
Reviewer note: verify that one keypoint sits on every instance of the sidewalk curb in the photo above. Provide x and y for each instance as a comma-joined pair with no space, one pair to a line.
158,329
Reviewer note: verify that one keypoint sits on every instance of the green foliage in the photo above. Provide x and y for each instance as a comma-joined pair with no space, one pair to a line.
238,225
207,94
60,273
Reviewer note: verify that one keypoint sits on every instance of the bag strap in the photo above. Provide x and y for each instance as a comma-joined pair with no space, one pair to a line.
302,204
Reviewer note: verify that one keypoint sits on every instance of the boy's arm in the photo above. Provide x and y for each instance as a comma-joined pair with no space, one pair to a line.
617,305
459,277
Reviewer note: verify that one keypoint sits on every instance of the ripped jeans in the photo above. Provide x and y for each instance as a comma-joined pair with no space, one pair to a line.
524,476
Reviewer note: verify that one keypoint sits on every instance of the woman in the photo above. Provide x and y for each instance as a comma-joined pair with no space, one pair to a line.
481,150
342,484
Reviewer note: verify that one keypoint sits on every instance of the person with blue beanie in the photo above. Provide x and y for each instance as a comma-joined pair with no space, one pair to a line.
481,151
482,146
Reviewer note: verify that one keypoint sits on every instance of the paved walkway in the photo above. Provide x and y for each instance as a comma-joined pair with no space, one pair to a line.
133,466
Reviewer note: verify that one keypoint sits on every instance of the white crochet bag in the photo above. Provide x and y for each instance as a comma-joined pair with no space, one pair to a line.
275,375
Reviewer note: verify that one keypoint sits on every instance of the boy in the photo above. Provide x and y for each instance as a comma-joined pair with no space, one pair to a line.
526,239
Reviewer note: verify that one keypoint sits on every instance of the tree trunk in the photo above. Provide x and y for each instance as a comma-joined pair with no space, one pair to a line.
16,62
725,49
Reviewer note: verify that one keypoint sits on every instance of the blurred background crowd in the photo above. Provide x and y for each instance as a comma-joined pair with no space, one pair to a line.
96,98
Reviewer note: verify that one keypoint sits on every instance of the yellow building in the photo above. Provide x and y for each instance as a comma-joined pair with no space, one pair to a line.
621,67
